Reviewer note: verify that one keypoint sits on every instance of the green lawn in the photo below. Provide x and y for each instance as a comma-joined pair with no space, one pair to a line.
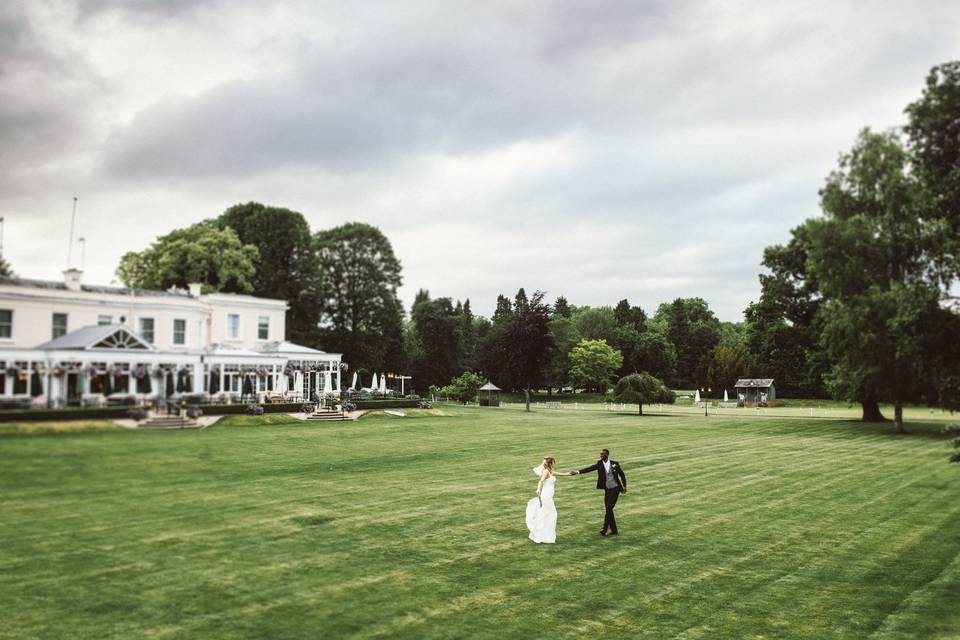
413,528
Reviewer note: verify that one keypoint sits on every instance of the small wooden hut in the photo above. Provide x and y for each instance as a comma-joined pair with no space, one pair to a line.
754,392
489,395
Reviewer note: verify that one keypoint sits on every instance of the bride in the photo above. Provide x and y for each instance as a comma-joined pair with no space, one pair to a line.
541,513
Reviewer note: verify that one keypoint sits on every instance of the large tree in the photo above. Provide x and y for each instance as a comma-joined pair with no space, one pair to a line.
6,271
565,336
639,388
357,294
437,328
527,340
933,136
880,281
694,331
201,253
593,364
286,268
782,331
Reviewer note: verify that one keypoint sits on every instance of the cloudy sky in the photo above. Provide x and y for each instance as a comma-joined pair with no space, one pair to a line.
597,150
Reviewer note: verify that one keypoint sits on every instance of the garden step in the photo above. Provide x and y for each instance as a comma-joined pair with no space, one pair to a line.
171,422
326,415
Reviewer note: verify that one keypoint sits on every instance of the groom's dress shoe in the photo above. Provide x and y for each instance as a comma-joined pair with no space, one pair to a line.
603,532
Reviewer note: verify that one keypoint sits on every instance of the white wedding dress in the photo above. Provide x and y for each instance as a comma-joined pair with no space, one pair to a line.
542,520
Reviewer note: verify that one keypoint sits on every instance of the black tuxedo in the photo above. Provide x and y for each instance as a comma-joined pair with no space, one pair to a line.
609,495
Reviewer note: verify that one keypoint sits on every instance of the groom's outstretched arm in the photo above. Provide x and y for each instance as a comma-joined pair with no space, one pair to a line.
592,467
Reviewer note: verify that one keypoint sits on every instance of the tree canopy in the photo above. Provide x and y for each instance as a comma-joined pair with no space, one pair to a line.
201,253
593,364
285,265
639,388
356,291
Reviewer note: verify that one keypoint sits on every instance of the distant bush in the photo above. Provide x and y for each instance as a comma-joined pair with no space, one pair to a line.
254,410
137,414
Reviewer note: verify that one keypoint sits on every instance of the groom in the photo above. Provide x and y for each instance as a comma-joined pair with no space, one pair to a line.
610,478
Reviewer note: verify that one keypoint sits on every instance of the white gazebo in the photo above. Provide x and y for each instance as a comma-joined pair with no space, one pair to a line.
492,393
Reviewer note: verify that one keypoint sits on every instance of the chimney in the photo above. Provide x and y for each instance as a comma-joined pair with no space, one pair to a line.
73,279
195,289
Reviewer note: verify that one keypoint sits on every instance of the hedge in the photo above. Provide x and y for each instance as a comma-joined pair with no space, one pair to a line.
228,409
94,413
73,413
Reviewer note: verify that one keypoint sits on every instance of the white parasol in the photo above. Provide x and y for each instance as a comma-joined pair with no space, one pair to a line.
374,385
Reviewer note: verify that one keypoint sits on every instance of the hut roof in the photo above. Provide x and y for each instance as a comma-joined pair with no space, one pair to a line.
489,387
753,382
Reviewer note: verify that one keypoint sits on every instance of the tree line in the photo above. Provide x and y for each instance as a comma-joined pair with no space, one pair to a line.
860,304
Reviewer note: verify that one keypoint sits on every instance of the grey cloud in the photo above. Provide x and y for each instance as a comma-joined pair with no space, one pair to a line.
455,84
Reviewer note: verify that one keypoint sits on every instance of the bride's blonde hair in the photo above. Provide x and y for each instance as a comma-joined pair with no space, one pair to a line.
549,463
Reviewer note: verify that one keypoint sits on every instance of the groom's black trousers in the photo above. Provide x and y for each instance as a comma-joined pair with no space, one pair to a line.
610,501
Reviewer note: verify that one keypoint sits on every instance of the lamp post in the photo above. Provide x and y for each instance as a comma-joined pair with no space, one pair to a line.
706,404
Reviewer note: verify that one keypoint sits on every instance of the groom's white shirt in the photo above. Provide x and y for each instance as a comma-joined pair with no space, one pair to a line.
606,466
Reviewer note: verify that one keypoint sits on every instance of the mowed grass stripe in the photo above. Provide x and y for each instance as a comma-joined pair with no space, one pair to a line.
257,507
449,558
688,532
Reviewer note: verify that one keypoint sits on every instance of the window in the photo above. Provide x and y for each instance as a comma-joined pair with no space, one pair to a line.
102,320
179,331
233,325
6,323
263,328
146,329
59,324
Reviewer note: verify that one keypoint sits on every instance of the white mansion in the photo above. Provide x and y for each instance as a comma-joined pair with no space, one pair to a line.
69,343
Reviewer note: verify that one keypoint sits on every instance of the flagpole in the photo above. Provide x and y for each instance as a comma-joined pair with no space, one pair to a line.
73,220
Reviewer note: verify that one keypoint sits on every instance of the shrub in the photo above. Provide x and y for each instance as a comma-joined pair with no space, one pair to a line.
307,407
463,388
254,410
348,406
194,412
423,404
137,414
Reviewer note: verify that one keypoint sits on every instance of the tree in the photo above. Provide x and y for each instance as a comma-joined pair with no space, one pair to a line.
285,266
565,336
694,331
640,388
464,387
933,135
201,253
782,331
727,365
527,340
627,316
870,253
596,323
466,337
656,355
357,294
562,308
593,364
6,271
437,329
